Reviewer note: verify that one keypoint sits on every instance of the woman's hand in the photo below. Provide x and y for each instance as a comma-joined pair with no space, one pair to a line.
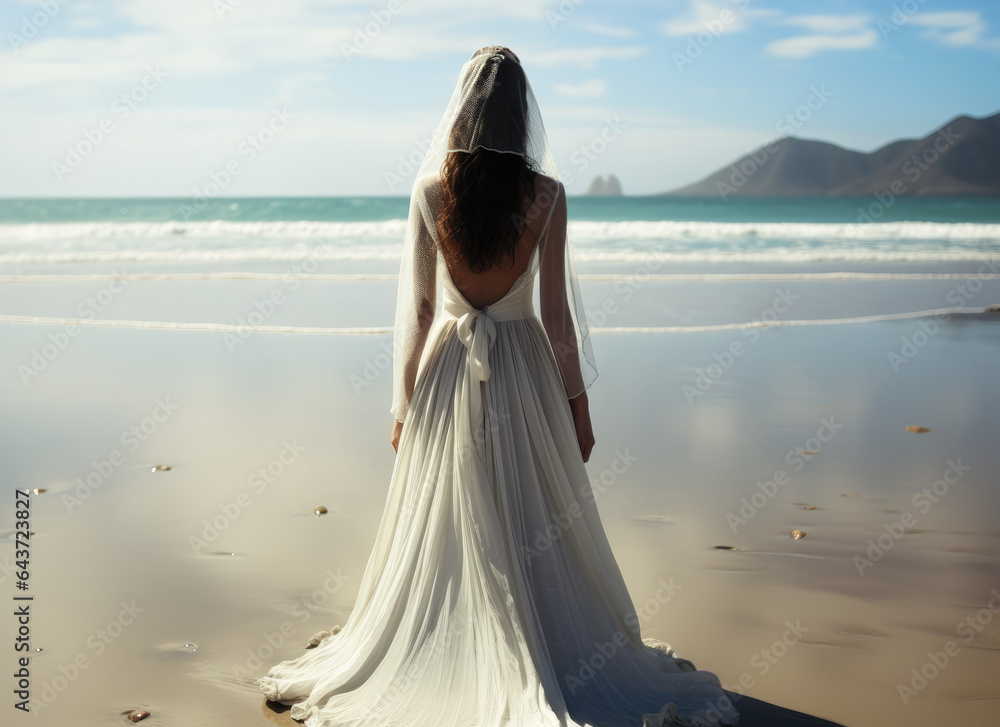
397,430
580,407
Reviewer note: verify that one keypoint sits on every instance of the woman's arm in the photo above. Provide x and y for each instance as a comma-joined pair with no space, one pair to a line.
418,293
557,319
397,432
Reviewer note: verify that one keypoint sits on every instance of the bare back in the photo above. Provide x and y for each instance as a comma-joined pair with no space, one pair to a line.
487,287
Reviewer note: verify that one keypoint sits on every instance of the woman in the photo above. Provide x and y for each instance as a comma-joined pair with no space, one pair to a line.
491,596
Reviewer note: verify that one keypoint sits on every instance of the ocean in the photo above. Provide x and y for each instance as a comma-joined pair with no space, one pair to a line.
605,232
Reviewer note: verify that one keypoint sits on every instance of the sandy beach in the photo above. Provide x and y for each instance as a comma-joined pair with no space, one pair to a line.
171,590
785,221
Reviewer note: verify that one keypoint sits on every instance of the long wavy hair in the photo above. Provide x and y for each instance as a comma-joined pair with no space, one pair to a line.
486,194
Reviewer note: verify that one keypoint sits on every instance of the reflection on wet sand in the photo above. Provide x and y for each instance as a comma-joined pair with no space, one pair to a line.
169,588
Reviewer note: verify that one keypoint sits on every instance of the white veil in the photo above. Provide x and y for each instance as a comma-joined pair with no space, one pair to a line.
485,112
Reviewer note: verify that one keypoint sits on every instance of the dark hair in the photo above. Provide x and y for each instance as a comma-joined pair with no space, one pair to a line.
485,193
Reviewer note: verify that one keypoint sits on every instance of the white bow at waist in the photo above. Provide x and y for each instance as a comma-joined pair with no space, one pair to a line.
477,329
477,326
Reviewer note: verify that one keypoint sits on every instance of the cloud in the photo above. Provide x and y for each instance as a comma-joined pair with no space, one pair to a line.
830,32
805,46
584,57
957,29
719,18
589,89
829,23
230,36
605,29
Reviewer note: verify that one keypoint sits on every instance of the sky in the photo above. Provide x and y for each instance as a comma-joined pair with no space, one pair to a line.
239,98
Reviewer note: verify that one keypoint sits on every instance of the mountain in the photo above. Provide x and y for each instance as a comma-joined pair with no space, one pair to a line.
601,187
960,158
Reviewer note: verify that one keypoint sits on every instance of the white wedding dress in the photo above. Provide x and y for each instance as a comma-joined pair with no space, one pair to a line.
492,597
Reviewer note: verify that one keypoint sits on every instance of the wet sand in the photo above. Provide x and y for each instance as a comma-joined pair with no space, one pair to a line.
179,587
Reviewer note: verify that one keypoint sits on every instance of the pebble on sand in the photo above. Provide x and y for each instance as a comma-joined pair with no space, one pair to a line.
177,647
798,534
39,490
320,511
137,715
160,468
917,430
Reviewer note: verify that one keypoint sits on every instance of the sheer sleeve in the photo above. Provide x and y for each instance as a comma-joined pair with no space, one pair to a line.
561,305
416,297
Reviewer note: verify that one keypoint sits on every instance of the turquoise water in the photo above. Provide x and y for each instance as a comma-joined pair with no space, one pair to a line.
604,232
359,209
